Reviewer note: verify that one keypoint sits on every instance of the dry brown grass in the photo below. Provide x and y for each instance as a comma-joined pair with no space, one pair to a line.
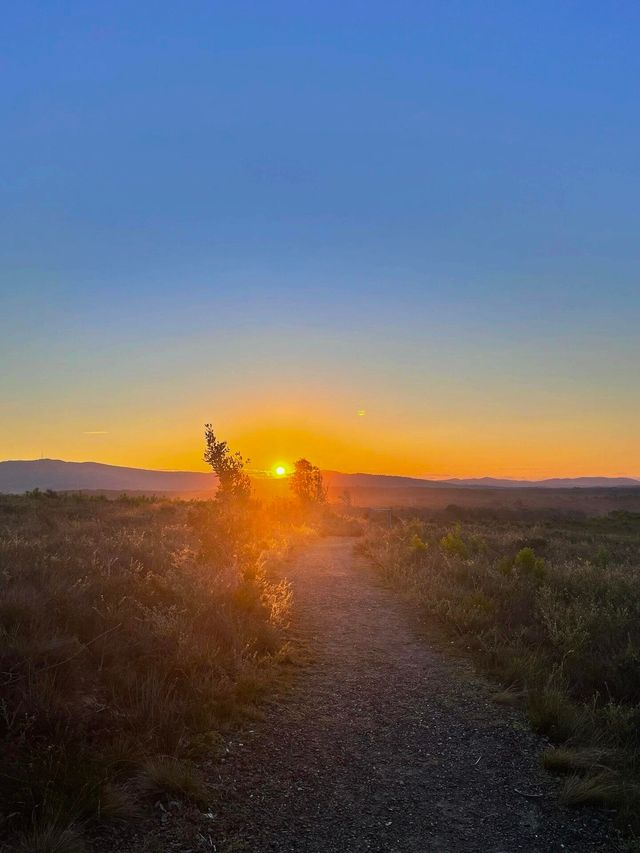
50,839
132,632
552,610
165,774
510,696
585,760
603,789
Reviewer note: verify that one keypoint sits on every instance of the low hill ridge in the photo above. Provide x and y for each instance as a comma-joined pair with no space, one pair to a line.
19,476
336,478
22,475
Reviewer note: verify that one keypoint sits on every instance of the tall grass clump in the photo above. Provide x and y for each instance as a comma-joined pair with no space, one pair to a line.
130,631
552,611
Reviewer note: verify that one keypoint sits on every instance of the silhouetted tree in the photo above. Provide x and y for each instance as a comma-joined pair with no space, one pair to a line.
233,482
306,483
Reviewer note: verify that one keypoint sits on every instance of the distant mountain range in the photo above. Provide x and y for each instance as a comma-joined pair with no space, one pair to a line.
335,478
21,476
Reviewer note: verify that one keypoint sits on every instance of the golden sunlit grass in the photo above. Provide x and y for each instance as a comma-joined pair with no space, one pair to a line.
132,633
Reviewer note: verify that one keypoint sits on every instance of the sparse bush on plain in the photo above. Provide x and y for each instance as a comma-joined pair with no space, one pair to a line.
306,483
528,564
417,544
453,544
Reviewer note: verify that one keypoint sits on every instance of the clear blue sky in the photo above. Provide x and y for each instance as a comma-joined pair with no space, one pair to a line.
275,214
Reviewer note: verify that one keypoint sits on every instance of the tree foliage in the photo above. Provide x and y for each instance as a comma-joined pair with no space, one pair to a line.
233,481
306,483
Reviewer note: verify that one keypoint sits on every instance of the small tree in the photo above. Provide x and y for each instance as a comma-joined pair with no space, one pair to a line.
233,481
306,483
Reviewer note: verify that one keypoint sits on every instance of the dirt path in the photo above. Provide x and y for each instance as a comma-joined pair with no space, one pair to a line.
386,745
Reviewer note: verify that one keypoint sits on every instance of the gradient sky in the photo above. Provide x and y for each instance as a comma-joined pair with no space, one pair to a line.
272,215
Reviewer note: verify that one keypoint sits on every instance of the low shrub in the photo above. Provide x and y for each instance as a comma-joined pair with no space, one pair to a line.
561,632
131,632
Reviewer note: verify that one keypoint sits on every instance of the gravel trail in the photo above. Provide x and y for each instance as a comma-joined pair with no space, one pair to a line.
387,744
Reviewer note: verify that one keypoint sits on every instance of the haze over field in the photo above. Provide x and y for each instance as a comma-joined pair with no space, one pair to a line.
19,476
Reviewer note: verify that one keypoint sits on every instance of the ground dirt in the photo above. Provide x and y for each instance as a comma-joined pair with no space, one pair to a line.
385,743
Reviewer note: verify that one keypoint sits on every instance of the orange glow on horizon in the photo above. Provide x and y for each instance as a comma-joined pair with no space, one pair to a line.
433,444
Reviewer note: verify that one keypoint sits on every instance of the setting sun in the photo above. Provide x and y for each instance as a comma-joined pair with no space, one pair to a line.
280,470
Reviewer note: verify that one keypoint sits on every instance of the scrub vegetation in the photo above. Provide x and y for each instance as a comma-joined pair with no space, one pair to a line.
552,610
136,632
132,633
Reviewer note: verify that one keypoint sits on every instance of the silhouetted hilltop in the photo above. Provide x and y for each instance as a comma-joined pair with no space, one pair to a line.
21,476
336,478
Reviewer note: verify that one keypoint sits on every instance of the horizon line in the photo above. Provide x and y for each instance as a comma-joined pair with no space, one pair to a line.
421,477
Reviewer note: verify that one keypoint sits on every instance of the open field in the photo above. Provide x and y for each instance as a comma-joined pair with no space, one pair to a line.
598,501
131,633
550,609
138,635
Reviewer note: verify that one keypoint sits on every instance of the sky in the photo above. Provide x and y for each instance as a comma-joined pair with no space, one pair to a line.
391,237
